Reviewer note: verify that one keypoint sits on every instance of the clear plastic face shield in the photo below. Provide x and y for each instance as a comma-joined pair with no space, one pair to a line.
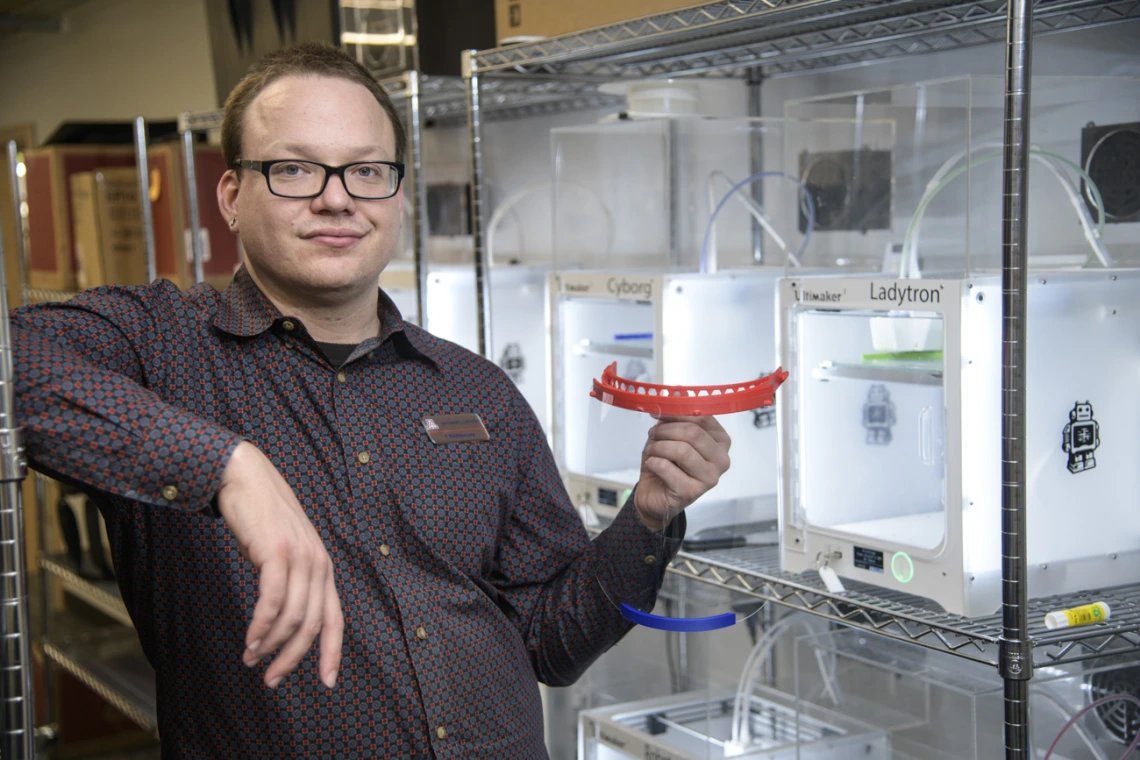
663,440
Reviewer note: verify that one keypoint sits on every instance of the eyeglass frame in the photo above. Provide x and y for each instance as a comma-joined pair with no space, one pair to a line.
263,167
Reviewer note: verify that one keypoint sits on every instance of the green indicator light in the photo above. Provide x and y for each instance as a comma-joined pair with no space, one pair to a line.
625,496
903,567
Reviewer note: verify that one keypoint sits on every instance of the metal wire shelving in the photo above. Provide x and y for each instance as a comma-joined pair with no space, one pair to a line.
755,572
776,38
785,37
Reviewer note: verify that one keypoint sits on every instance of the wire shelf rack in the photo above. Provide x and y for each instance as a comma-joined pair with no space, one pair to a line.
755,572
102,595
443,100
200,122
777,38
44,295
785,37
110,662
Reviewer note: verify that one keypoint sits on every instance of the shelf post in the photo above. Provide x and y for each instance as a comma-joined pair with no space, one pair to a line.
144,198
1016,656
415,160
753,82
194,219
18,741
471,78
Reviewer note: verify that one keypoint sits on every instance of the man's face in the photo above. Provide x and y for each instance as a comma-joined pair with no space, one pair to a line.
334,243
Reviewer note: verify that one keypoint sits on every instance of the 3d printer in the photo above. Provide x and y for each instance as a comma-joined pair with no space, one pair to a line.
890,427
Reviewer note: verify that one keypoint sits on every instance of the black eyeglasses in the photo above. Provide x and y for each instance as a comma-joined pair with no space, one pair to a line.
364,180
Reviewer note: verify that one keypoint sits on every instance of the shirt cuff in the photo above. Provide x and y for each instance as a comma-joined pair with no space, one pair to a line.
187,474
632,558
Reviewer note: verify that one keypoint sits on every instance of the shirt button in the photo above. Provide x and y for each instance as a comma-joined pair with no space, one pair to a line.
650,560
341,377
385,550
363,457
441,732
288,325
170,493
421,634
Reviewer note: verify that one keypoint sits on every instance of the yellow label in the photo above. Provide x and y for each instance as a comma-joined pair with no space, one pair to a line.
1090,613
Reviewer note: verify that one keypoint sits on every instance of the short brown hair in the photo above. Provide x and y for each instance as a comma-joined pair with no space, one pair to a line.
302,59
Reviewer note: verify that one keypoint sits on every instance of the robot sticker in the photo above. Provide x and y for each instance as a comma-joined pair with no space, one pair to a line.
637,371
878,415
513,362
1081,438
764,417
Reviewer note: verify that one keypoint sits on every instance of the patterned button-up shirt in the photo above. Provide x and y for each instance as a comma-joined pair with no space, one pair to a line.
463,570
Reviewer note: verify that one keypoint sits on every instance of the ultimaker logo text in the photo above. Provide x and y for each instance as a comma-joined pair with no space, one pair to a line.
899,295
820,296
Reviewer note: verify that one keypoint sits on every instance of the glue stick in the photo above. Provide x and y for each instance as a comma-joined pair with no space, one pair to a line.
1097,612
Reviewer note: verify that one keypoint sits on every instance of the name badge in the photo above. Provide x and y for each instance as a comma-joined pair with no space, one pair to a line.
455,428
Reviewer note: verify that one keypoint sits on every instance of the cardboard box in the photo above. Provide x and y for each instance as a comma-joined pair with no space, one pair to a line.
174,255
548,18
85,223
51,241
107,221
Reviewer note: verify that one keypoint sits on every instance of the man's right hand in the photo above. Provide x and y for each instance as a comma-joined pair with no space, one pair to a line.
298,599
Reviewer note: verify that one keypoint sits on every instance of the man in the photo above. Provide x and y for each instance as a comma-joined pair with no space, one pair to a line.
309,574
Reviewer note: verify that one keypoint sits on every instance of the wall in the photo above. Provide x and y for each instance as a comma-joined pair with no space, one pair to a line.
117,60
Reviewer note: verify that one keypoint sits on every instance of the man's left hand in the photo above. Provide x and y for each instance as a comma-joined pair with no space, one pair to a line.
682,460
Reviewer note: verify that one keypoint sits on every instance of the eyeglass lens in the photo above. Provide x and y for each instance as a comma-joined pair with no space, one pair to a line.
301,179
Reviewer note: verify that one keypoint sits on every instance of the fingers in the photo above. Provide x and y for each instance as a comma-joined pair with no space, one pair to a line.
685,432
272,584
687,459
703,440
709,424
302,638
332,635
688,488
293,613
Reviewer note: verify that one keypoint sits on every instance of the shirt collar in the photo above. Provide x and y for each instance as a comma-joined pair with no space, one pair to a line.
244,311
